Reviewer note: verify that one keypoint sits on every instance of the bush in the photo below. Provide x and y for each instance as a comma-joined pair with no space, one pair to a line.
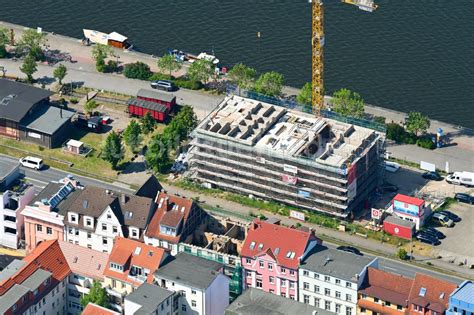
426,142
395,132
408,138
74,100
188,84
402,254
137,70
379,119
159,76
112,66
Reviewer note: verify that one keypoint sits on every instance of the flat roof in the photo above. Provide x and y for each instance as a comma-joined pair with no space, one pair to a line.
11,269
7,168
11,297
36,279
75,143
147,104
16,99
149,296
48,120
399,221
465,292
276,130
337,263
157,95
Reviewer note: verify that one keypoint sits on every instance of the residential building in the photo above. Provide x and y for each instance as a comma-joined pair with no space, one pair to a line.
429,295
149,299
99,215
329,279
36,284
174,221
94,309
255,301
149,188
14,196
411,209
87,265
383,293
44,216
130,264
271,256
270,152
25,114
200,283
461,301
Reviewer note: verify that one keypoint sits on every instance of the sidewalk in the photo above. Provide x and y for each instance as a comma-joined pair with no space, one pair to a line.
370,245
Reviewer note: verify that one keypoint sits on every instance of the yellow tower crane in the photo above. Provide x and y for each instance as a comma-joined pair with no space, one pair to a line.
318,47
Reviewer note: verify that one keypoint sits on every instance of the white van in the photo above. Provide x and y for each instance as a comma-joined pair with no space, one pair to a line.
32,162
391,167
461,178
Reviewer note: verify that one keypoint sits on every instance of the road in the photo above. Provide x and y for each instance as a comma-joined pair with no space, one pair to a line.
41,178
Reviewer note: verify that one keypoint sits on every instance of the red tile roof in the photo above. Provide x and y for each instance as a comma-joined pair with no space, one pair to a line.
166,215
279,240
436,295
47,256
84,261
94,309
411,200
386,286
125,252
378,308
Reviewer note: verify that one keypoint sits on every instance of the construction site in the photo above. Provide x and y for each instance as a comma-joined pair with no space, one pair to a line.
270,152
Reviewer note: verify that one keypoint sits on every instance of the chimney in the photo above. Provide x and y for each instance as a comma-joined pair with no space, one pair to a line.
123,198
61,112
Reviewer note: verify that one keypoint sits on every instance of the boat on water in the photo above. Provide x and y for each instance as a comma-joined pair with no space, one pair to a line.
183,56
113,39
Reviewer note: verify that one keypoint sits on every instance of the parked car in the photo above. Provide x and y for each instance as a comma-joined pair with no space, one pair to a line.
431,230
450,215
389,187
391,167
350,249
432,176
32,162
462,197
163,85
427,239
442,219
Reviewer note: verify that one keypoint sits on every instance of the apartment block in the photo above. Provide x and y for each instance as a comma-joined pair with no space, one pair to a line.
461,301
329,279
270,152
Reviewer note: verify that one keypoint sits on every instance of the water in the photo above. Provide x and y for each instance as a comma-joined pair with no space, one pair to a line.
409,55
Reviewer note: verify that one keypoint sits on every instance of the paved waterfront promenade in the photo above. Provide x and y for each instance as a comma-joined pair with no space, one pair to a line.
460,154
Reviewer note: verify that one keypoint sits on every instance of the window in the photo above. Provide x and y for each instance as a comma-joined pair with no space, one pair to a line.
348,310
35,293
135,233
376,300
270,266
104,227
316,275
193,303
283,270
399,307
306,299
316,302
14,307
109,216
49,230
261,264
104,240
248,261
73,218
70,230
292,284
89,235
327,278
338,295
114,230
305,273
316,288
363,310
193,292
348,298
338,281
183,307
39,228
388,304
88,222
259,283
327,292
306,285
363,296
271,279
348,285
338,308
89,246
327,305
283,282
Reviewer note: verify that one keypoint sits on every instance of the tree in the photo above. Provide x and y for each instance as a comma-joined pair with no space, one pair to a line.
132,135
348,103
148,123
29,67
416,122
201,70
243,76
33,42
137,70
168,63
305,95
157,155
402,254
99,53
186,120
90,106
113,149
97,295
269,83
4,40
60,72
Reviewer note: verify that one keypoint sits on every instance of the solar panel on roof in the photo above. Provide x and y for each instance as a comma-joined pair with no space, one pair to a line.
63,192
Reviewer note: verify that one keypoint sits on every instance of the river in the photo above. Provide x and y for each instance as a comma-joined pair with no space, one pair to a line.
408,55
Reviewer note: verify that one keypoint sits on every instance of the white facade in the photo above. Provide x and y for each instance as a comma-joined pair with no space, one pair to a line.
330,293
77,286
161,243
52,303
11,220
212,300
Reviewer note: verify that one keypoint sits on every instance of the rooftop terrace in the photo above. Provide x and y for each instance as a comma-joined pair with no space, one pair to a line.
274,129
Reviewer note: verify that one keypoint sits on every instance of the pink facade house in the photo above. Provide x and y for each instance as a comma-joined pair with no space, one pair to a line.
271,256
44,216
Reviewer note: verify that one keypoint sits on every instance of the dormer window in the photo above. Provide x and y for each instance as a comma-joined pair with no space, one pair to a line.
134,233
260,246
73,218
252,245
109,216
89,222
116,267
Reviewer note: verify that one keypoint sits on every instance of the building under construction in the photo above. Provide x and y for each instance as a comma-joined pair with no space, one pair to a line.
270,152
